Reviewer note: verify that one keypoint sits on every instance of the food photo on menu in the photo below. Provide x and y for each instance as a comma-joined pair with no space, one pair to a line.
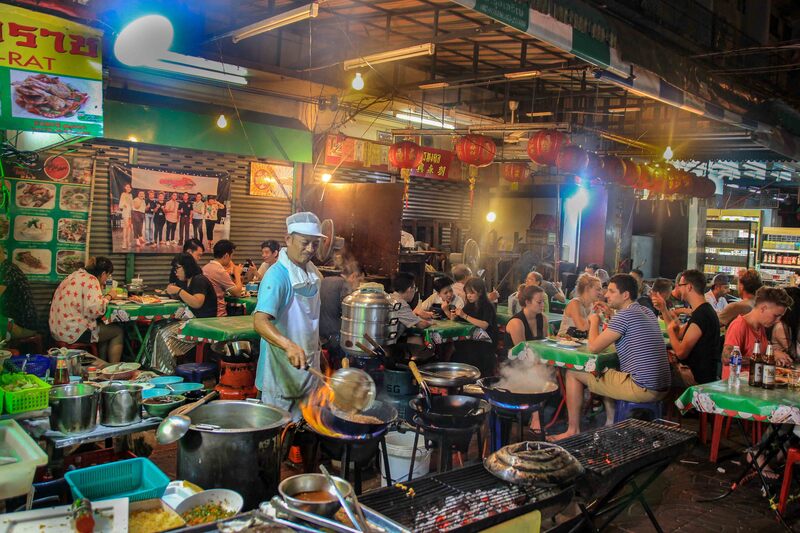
74,198
38,195
33,228
5,226
68,261
33,260
72,230
54,97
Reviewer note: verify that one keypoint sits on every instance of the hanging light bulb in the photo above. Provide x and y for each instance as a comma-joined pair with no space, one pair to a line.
358,82
491,216
222,122
326,178
668,153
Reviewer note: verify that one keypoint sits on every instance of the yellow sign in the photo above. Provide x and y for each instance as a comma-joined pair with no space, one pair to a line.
51,73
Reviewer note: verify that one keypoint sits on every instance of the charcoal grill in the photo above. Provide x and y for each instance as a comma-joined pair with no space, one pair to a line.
465,500
632,453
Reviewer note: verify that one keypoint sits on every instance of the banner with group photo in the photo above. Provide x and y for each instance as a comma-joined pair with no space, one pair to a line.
45,229
155,210
51,74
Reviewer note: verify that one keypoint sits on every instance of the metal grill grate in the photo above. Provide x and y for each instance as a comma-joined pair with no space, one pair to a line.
628,444
466,499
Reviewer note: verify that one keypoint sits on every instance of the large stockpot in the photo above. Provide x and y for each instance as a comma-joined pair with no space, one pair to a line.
367,311
73,408
234,445
120,404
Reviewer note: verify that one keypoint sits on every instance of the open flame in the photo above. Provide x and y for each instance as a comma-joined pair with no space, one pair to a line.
312,408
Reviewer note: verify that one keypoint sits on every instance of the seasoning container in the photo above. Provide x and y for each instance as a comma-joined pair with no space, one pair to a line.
92,373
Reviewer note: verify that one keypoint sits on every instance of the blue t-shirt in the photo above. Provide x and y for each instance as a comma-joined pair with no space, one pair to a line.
640,348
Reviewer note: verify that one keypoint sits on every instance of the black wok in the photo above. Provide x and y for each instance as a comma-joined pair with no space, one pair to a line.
347,424
454,411
517,399
398,355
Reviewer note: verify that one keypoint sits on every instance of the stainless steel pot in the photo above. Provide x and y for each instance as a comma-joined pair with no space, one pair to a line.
367,310
234,445
73,408
120,405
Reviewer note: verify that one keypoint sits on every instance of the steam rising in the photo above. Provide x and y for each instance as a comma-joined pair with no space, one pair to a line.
527,375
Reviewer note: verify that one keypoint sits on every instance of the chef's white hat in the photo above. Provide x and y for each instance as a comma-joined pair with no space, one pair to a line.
304,223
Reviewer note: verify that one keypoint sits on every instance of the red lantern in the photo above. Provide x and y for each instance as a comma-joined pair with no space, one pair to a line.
406,156
613,169
476,151
515,173
594,170
544,146
572,159
632,175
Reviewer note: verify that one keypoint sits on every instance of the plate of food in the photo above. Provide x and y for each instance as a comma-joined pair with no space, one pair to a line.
72,230
32,228
68,261
552,338
565,343
33,195
144,299
5,225
46,96
33,261
74,198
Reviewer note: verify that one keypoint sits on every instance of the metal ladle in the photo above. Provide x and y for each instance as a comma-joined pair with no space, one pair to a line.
175,426
353,389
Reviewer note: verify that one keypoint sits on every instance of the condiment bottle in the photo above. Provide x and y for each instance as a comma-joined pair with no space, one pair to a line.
61,376
756,367
92,373
768,375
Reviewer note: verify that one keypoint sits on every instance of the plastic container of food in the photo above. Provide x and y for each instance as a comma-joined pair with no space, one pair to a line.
31,399
16,478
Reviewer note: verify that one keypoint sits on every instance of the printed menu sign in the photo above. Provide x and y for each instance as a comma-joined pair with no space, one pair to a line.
51,74
45,229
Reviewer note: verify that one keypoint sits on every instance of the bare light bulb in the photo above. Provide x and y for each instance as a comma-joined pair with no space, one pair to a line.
358,82
326,178
668,153
222,122
491,216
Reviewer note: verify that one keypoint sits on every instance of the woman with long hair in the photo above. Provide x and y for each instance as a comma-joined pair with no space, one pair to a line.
588,290
530,323
125,207
479,312
784,333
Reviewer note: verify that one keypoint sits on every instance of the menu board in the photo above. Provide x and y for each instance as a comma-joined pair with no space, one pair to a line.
46,227
51,74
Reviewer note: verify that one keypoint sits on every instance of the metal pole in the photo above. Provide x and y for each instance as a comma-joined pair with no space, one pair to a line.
91,208
557,251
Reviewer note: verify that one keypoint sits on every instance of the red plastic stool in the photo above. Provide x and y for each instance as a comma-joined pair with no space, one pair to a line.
90,347
792,457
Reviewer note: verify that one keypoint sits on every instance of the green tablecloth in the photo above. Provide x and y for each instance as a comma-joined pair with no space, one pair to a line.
778,406
580,359
129,312
224,328
247,302
442,331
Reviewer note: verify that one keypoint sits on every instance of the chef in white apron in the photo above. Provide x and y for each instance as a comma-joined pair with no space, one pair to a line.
287,317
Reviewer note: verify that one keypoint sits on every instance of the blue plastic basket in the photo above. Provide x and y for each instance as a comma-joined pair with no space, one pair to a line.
38,365
136,479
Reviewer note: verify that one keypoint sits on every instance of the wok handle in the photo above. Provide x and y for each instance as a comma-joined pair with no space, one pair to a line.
366,349
371,340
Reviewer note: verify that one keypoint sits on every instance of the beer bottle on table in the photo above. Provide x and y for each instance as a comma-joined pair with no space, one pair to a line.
768,372
756,367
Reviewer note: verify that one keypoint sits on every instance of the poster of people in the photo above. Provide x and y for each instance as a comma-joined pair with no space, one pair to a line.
46,226
271,179
155,210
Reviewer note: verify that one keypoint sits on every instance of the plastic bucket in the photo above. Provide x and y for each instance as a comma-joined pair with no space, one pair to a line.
400,447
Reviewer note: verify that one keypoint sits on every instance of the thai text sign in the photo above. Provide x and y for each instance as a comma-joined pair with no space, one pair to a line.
435,164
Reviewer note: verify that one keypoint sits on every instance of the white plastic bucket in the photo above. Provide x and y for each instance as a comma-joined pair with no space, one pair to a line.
400,447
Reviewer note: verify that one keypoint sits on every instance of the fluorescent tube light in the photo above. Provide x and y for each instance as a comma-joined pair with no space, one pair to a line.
426,49
206,64
196,72
540,114
525,74
434,85
284,19
624,109
426,121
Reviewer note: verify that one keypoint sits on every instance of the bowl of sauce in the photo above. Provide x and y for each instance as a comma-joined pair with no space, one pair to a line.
313,493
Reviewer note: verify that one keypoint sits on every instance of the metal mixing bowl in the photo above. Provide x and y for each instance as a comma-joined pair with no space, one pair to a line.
313,482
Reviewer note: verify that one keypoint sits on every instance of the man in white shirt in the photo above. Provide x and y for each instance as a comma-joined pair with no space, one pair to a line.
716,295
269,253
405,289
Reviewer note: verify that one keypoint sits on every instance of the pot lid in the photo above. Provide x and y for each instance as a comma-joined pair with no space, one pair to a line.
237,416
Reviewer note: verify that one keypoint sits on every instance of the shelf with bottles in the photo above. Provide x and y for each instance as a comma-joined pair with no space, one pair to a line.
779,258
713,269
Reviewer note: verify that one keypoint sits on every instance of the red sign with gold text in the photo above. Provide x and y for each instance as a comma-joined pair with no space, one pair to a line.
435,164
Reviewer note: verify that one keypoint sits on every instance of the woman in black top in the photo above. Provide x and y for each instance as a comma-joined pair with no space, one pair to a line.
199,294
530,324
478,310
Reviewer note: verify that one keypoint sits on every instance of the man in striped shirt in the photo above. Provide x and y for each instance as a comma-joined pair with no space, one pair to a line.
643,374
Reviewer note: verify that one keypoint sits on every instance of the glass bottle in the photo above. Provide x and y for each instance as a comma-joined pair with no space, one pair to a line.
756,367
61,376
768,374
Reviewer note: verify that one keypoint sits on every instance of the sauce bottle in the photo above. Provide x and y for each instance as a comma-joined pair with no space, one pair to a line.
768,375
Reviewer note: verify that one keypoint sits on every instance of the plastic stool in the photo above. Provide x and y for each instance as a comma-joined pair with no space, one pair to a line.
90,347
197,372
792,457
623,409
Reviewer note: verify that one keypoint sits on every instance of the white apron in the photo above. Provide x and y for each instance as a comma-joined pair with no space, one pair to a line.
281,384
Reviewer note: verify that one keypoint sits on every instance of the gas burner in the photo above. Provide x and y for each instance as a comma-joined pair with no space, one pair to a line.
501,407
430,428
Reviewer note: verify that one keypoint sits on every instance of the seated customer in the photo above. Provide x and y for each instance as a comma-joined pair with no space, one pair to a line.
437,305
192,247
638,275
533,279
269,253
79,303
784,335
529,323
769,306
659,299
643,374
194,289
404,289
461,273
217,273
478,310
575,322
16,299
716,294
748,284
551,291
696,344
332,292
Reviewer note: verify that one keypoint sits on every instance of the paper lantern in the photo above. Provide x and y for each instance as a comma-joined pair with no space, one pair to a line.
572,160
515,173
613,169
594,169
476,151
544,146
405,155
632,175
